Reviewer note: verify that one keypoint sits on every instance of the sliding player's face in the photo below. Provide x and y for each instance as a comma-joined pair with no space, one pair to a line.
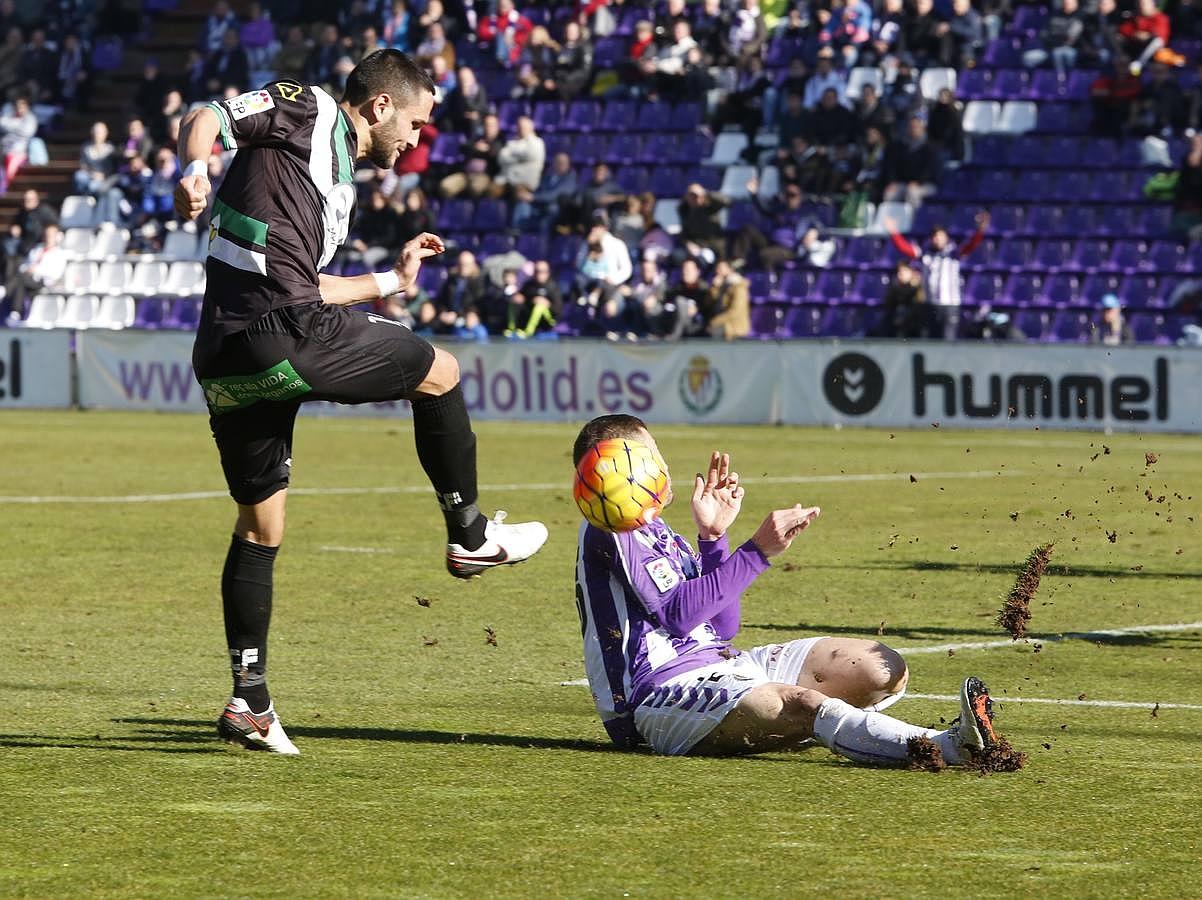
645,437
398,129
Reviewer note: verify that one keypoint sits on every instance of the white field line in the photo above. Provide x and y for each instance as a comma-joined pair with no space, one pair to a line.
1051,638
328,549
527,486
1054,701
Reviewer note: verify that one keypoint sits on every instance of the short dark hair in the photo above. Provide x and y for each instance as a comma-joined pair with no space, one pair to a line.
387,72
603,428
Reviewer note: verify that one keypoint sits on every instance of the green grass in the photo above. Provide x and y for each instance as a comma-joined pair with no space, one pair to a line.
457,768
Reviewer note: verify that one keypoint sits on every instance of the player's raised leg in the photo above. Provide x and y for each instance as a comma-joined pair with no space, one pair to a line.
446,447
779,716
249,718
864,673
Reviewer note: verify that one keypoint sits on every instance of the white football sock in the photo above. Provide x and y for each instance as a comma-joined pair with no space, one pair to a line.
873,738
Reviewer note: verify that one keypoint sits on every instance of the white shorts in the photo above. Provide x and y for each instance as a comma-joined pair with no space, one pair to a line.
680,712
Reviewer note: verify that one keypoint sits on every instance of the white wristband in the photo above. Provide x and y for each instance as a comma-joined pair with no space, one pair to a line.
387,283
196,167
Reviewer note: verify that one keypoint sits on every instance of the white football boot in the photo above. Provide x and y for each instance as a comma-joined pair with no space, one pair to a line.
254,731
974,725
503,545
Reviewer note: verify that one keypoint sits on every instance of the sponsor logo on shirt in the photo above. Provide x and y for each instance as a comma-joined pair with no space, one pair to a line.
250,103
662,573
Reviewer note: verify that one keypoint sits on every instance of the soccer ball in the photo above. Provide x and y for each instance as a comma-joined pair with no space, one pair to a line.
621,484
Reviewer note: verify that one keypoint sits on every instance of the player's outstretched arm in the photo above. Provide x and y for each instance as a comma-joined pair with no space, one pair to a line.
778,530
197,133
349,290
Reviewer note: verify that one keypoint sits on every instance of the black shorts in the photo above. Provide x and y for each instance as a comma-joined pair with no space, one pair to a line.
256,380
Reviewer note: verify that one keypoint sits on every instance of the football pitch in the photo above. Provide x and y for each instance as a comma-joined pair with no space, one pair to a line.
443,755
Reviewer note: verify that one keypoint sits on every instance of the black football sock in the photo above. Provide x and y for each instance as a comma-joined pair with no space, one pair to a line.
246,602
446,448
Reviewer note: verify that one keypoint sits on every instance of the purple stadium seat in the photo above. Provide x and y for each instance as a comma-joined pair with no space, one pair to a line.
608,52
1032,186
557,143
759,286
633,179
1102,153
985,256
582,115
1077,220
185,313
1071,326
1007,218
150,312
495,243
1003,53
1167,256
843,321
431,278
588,149
1118,220
1090,255
653,117
1153,221
618,115
461,240
455,215
1098,285
990,150
928,216
1064,151
805,321
563,250
621,149
1052,254
1024,289
741,213
1139,291
1146,326
508,113
782,51
1043,220
866,251
766,321
870,287
975,84
1010,84
532,246
669,181
1061,290
1052,118
1079,83
1131,154
1174,327
1048,84
1029,18
1072,187
996,185
695,146
686,116
796,286
1128,255
1033,323
548,116
985,287
657,148
491,215
1028,151
835,286
447,149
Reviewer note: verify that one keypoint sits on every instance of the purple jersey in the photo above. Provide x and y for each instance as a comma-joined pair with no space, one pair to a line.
652,609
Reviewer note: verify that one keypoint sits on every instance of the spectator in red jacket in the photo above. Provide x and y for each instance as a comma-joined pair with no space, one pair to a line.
1113,97
507,32
1144,33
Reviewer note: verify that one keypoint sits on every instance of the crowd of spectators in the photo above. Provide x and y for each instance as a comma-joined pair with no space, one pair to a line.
782,69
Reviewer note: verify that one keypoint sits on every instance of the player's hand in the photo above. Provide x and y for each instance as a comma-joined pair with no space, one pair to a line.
717,498
191,196
777,532
409,261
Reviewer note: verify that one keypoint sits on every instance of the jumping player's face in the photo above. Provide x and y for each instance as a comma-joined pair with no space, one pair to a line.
646,438
398,129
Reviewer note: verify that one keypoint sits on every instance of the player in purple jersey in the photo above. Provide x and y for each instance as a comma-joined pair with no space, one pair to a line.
658,616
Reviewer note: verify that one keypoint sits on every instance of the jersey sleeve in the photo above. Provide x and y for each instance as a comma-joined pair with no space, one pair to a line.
680,604
269,115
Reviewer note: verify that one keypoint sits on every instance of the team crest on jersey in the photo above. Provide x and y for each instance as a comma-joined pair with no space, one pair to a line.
288,90
662,573
250,103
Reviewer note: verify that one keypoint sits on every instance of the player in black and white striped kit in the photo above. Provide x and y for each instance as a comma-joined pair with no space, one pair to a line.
274,332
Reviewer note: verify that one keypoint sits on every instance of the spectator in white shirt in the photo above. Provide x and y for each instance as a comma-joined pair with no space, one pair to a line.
43,270
521,160
18,125
825,76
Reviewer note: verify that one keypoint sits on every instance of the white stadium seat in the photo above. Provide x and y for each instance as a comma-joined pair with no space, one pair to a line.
77,241
113,278
769,182
734,182
184,279
45,310
932,81
727,149
79,277
180,245
78,312
981,116
148,278
902,213
115,313
77,212
862,75
667,215
1018,117
109,242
